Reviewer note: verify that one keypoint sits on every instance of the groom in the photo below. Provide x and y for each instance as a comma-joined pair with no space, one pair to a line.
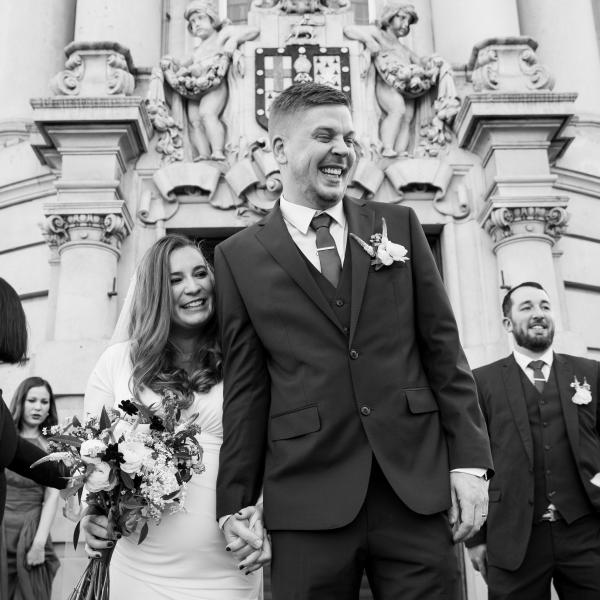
348,399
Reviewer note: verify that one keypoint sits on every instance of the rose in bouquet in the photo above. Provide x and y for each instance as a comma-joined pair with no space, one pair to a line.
134,465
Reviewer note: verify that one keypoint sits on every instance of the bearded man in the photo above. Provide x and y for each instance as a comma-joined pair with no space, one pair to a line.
543,420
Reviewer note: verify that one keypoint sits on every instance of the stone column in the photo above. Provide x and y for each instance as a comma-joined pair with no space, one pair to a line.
459,24
567,42
32,37
516,126
135,24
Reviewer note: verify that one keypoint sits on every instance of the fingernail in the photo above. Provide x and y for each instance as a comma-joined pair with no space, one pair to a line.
110,544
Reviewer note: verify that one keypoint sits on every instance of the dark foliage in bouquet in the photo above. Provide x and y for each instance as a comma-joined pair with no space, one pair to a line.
134,465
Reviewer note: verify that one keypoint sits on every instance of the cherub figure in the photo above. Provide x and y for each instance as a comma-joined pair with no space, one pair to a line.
403,77
201,80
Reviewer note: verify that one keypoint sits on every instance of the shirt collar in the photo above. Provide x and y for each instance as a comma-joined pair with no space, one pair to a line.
300,216
523,360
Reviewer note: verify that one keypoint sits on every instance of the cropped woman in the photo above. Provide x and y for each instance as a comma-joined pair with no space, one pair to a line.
16,453
27,548
173,348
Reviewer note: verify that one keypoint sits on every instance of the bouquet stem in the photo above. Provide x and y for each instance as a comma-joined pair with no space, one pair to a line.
94,584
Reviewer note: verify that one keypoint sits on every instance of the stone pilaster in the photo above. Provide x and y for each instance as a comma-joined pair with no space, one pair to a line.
568,41
91,140
459,24
515,124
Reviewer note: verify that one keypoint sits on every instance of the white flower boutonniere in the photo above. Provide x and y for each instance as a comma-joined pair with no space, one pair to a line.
583,391
596,479
382,252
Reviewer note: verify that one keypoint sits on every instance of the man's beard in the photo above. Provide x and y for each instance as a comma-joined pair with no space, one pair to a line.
535,343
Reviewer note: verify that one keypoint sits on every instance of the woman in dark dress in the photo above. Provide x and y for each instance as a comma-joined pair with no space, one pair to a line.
28,560
16,453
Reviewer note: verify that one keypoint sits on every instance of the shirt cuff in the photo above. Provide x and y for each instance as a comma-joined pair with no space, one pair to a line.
471,471
224,520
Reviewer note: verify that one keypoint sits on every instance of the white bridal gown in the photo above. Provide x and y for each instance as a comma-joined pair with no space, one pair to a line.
183,558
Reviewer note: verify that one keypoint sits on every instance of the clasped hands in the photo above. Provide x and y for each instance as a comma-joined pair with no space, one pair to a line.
247,539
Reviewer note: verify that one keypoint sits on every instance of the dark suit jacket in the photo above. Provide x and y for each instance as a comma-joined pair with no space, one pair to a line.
295,382
18,454
500,391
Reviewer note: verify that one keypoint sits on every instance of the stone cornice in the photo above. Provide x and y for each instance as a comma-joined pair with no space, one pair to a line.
86,46
576,181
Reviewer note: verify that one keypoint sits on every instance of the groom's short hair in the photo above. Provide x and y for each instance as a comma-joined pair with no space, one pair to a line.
302,96
507,301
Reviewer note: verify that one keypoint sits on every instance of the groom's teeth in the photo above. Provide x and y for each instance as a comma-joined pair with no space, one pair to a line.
332,171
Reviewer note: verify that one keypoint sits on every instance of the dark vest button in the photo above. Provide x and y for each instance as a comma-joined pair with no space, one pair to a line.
365,410
353,354
339,302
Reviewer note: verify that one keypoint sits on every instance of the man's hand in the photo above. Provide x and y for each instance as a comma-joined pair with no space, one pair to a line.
478,556
247,539
469,504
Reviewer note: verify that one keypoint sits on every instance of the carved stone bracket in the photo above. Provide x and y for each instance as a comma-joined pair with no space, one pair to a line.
108,229
508,65
531,221
95,69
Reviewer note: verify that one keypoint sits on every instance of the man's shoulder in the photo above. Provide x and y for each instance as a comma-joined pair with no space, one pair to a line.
393,210
491,368
581,361
240,239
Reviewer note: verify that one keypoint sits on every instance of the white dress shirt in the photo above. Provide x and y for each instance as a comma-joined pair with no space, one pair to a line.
523,361
297,219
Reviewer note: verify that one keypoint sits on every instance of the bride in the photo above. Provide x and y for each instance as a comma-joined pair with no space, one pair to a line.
173,346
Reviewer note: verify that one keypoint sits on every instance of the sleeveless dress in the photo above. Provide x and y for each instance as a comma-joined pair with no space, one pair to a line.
24,502
183,558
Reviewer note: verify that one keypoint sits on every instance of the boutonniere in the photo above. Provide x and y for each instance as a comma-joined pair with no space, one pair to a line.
583,391
596,479
382,252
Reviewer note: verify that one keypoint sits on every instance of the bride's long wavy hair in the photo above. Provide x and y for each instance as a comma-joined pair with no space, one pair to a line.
152,354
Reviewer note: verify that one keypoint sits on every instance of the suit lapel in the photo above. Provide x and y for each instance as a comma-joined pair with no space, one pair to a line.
514,396
564,377
360,222
274,236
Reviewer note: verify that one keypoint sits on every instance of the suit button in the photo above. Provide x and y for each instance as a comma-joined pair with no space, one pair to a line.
346,330
547,447
365,411
353,354
545,424
339,302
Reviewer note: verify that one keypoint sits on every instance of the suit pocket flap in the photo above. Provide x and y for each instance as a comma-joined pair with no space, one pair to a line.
421,400
495,495
295,423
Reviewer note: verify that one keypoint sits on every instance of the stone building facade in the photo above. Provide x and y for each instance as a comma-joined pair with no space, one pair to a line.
120,121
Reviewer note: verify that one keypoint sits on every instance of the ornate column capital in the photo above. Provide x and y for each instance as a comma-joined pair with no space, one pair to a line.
508,64
95,69
514,222
78,229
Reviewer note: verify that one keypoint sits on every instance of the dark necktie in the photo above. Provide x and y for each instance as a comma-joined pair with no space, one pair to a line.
331,265
538,376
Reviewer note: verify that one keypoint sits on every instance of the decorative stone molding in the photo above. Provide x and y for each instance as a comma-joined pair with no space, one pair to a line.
532,221
302,7
95,69
108,229
508,65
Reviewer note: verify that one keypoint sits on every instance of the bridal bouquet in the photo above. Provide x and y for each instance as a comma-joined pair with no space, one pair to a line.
134,464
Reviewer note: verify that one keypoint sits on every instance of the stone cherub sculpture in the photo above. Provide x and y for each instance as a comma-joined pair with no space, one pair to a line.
302,7
200,82
404,82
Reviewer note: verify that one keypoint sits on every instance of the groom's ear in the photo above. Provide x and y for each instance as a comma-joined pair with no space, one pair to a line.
278,145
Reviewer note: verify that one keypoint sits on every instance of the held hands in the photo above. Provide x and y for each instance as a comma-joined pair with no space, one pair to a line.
469,505
478,556
247,539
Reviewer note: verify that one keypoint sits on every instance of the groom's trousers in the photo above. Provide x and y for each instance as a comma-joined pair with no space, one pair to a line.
406,556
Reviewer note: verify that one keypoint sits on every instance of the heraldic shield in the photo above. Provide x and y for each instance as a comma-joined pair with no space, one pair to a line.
278,68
